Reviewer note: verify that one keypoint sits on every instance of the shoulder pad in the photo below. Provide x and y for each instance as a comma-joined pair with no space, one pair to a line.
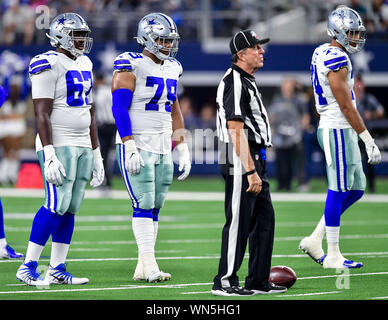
42,62
126,61
86,61
178,64
334,58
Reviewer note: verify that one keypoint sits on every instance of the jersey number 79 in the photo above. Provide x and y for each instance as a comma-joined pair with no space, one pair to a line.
171,85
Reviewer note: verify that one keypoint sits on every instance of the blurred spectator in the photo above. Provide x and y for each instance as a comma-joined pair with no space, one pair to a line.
192,121
312,150
18,24
102,99
359,7
377,24
370,109
206,139
288,116
208,117
12,130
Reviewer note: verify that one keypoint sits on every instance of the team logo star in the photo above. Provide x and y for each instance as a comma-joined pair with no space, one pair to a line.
151,22
62,20
341,15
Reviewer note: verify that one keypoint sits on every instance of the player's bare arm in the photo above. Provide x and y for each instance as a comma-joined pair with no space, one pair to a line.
178,125
178,136
124,80
42,109
341,91
93,128
240,142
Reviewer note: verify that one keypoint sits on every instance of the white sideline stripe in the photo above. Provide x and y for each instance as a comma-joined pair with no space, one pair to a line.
308,294
182,226
379,298
196,292
191,196
182,285
215,256
83,218
296,238
219,226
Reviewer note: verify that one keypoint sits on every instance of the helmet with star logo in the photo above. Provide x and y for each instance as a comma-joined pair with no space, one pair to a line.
158,33
346,27
70,32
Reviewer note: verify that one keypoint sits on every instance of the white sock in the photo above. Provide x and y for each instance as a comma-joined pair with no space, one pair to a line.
156,226
143,229
33,252
3,242
58,253
332,238
319,231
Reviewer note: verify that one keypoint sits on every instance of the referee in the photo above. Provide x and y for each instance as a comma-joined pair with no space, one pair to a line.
243,129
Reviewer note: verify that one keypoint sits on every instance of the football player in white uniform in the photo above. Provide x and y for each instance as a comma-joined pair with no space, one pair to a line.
66,144
6,251
340,127
147,115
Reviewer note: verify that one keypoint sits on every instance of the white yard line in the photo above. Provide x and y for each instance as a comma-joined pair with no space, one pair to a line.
307,294
191,196
183,226
215,256
182,285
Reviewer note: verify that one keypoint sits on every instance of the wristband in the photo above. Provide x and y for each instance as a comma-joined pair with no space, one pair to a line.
48,152
366,137
97,153
251,172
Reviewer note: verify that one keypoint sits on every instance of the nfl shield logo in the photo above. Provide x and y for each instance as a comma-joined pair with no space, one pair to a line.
254,35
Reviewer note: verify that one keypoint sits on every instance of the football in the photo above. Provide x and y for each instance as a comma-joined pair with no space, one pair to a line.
282,276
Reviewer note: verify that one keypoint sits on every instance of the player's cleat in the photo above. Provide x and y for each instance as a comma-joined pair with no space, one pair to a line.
8,252
59,275
166,276
139,276
27,274
269,289
233,291
158,276
312,247
341,263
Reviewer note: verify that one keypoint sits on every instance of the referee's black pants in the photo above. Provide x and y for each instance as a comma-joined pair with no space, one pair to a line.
247,217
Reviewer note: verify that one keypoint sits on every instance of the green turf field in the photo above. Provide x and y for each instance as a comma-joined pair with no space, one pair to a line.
103,249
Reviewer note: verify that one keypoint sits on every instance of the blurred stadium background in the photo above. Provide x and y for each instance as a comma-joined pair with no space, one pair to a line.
295,27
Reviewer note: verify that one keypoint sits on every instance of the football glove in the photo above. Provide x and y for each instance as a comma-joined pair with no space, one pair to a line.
374,155
373,152
133,159
53,168
184,160
98,169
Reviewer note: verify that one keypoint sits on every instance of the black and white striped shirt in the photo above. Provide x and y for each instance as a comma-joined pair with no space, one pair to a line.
238,98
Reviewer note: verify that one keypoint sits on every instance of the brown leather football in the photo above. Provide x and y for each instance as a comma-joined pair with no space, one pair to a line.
282,276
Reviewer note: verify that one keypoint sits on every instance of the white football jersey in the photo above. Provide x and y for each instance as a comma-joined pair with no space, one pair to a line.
155,93
69,82
327,58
